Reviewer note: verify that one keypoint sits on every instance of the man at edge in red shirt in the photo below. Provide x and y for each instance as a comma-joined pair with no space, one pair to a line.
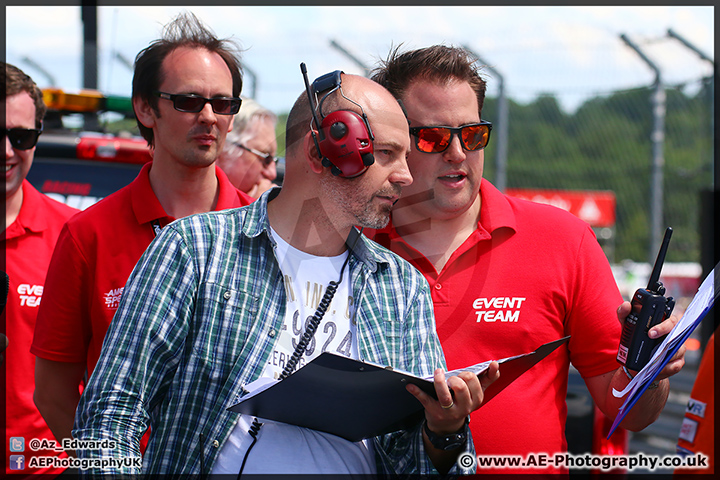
32,224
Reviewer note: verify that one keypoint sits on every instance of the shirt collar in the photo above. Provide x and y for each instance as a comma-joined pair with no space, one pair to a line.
147,207
495,212
31,217
495,209
257,221
145,204
229,196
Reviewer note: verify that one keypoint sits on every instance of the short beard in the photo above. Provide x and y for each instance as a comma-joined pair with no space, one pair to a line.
369,216
374,219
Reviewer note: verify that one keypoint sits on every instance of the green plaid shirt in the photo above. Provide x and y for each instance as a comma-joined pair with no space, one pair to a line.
199,316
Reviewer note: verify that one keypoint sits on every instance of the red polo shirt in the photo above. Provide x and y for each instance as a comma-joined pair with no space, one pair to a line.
94,256
28,244
528,274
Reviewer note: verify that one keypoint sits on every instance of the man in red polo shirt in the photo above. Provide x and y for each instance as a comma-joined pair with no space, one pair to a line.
186,89
506,275
32,224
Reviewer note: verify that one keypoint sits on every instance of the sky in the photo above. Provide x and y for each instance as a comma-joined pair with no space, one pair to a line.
570,51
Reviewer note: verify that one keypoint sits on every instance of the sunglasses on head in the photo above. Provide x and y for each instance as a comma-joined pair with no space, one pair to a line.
23,138
192,103
267,159
437,139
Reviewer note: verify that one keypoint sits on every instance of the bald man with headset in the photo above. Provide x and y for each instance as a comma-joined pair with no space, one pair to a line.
218,300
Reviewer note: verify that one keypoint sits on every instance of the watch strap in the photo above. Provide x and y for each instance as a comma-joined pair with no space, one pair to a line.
450,441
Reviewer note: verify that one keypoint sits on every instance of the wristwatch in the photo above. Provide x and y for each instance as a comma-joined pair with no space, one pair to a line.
451,441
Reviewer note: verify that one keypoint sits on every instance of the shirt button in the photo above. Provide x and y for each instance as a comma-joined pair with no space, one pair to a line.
227,295
438,286
272,333
216,444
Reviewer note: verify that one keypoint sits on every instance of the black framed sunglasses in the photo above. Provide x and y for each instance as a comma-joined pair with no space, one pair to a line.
436,139
191,103
22,138
267,159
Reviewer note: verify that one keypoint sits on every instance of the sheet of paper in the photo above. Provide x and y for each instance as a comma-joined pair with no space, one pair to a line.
478,368
260,385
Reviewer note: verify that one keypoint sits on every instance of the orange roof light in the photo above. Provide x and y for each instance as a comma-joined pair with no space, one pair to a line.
86,101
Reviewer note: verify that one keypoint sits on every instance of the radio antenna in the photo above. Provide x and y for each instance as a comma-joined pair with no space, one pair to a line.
653,284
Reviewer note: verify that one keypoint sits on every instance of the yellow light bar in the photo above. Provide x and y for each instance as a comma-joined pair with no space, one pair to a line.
85,101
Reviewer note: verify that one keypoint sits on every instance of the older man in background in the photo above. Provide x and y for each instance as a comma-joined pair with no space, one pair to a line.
248,158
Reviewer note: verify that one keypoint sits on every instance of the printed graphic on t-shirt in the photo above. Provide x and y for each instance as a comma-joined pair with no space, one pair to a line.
335,333
112,298
306,278
498,309
29,295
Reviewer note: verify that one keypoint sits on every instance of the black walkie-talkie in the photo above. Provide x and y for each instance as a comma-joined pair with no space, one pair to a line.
649,308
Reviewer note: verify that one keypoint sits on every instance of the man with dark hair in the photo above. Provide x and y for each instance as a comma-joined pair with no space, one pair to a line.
506,275
32,225
228,290
195,84
186,31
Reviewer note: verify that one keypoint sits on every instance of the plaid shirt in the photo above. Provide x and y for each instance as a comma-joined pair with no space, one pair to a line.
199,317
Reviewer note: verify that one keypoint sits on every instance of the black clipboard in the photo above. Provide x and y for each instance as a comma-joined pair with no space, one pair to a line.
356,400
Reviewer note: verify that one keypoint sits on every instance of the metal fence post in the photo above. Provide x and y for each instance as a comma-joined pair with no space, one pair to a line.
657,137
501,128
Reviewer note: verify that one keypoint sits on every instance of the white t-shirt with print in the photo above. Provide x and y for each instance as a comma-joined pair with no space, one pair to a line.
283,448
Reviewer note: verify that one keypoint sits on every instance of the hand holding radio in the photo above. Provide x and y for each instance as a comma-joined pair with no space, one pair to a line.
676,363
649,307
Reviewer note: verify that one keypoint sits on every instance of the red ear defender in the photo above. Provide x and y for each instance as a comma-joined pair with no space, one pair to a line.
346,144
345,137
